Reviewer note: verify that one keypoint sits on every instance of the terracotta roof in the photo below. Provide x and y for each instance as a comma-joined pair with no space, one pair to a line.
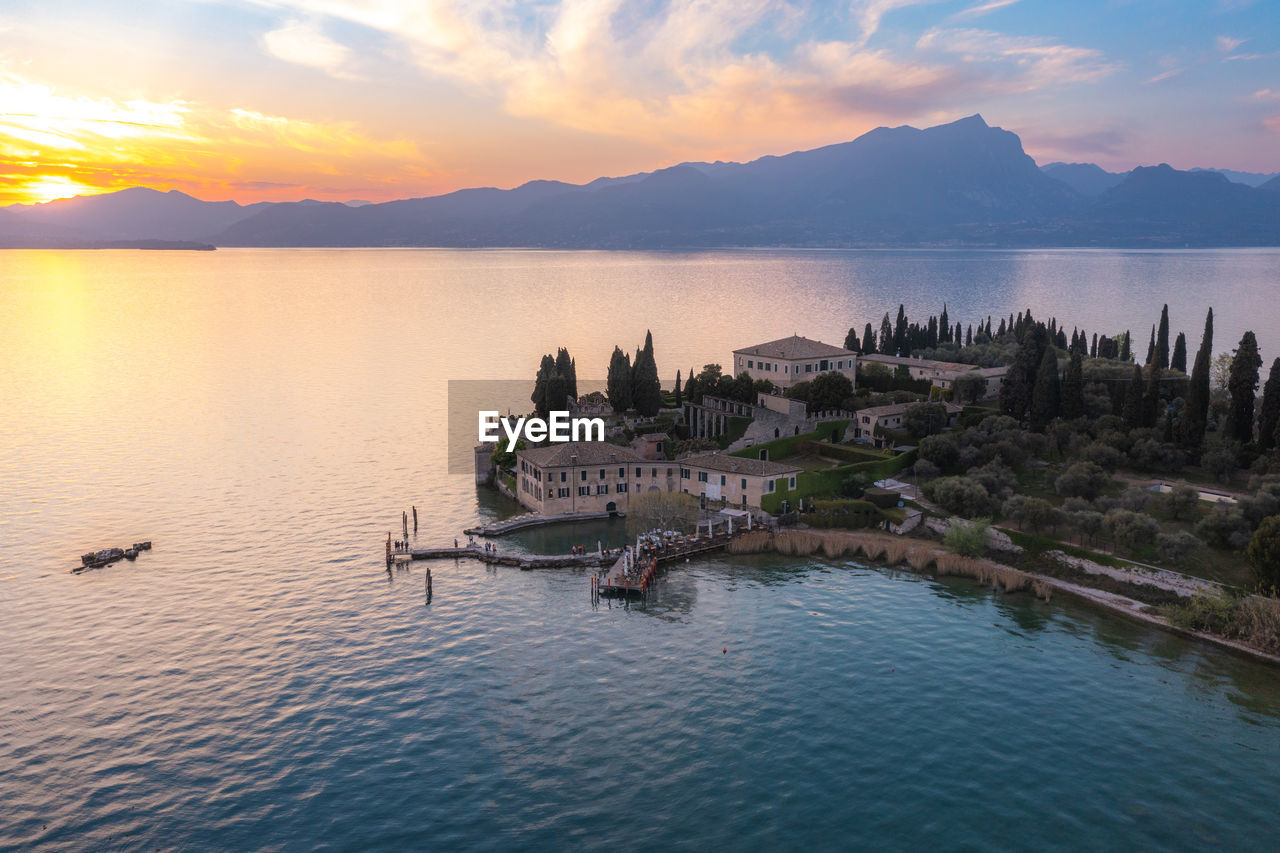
794,347
587,453
653,436
738,465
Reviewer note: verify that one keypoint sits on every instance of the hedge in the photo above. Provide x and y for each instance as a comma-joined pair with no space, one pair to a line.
734,430
843,513
829,481
789,445
838,451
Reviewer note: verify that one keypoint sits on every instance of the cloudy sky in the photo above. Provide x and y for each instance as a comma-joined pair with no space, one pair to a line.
381,99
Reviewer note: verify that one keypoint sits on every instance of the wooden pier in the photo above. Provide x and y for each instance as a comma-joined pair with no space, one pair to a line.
634,572
495,557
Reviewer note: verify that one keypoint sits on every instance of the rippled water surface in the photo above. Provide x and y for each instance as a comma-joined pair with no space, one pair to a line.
260,681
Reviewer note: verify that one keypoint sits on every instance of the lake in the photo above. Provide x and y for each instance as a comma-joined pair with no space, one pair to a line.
259,680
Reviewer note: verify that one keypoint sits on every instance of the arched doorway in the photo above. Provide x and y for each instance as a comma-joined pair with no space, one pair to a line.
611,508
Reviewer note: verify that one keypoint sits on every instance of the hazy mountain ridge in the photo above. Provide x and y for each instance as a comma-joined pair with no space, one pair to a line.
963,183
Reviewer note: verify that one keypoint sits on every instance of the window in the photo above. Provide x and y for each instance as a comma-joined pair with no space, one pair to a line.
824,365
766,367
639,473
583,491
564,476
702,476
786,368
669,474
584,475
791,484
622,473
601,473
564,493
808,368
744,484
722,479
654,473
602,489
751,363
622,487
684,473
768,485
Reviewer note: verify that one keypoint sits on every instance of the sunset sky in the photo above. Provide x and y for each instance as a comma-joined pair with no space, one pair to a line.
380,99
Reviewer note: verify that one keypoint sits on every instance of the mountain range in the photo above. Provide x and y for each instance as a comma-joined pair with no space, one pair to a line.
963,183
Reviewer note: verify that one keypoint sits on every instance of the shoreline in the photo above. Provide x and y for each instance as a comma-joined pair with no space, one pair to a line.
922,555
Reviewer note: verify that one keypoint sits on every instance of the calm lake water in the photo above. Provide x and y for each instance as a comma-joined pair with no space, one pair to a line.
260,681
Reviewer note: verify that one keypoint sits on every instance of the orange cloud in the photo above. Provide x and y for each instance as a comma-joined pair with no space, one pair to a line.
54,145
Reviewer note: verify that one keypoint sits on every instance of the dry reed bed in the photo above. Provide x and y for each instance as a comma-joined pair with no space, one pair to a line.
881,547
1258,622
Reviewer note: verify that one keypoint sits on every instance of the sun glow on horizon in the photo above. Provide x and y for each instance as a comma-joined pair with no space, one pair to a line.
47,188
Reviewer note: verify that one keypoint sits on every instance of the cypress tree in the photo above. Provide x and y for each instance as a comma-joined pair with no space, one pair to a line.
851,340
1047,394
1242,384
1125,353
1019,383
1269,415
1151,396
1072,402
679,400
1151,347
1195,414
886,335
868,341
900,332
646,389
1178,361
539,397
1093,350
944,325
1162,339
1132,411
566,368
968,337
618,381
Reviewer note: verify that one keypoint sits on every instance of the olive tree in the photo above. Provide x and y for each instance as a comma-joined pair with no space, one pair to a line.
960,496
1082,479
1264,553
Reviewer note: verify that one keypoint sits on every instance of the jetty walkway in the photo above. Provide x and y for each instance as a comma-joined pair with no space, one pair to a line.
634,571
534,519
504,558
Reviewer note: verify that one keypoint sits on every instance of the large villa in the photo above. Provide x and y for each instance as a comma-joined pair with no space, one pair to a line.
593,477
589,477
787,361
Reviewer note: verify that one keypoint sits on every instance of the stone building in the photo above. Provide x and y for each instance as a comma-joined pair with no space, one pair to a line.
739,482
786,361
941,373
587,476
